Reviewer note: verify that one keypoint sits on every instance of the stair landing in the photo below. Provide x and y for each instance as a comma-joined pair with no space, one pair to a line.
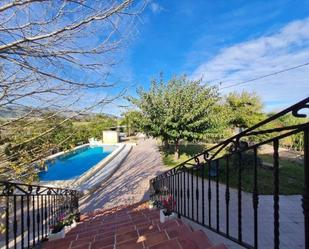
131,227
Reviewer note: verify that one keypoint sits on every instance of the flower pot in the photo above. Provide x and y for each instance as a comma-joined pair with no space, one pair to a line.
68,228
59,235
74,224
164,218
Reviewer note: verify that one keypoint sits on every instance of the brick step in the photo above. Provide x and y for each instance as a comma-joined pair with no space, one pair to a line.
131,227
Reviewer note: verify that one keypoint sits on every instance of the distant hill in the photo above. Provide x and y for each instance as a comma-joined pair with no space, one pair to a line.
13,112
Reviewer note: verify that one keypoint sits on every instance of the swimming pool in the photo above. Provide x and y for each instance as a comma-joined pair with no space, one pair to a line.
71,165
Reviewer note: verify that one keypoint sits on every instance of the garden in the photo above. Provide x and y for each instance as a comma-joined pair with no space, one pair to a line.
187,118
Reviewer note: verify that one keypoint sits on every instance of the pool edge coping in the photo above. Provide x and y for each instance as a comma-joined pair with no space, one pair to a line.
86,175
94,169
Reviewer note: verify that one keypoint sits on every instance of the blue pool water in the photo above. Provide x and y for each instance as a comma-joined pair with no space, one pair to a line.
73,164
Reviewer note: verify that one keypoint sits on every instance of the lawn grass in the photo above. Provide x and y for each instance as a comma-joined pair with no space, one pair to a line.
291,173
186,151
290,177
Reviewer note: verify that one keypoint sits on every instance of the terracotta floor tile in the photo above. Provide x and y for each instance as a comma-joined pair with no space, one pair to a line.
102,247
168,244
188,244
102,241
174,232
132,244
80,245
194,240
144,224
148,229
140,221
125,229
153,216
153,238
86,234
104,234
126,236
86,239
71,236
168,224
57,243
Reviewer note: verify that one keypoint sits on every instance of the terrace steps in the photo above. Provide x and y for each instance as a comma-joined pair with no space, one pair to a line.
131,227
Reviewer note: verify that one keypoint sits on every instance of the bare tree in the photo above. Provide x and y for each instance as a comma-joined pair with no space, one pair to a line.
54,54
53,47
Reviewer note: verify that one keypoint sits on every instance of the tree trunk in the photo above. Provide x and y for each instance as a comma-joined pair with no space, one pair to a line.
176,150
165,143
129,130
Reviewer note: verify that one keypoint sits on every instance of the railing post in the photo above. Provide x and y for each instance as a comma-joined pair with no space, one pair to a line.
7,229
217,196
239,195
209,195
184,193
255,199
276,195
305,198
227,197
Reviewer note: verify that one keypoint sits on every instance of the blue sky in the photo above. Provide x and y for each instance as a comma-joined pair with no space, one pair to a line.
223,41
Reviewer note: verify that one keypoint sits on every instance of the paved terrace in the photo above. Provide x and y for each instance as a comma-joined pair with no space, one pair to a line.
130,183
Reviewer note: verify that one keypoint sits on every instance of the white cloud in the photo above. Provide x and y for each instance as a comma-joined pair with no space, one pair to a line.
285,48
155,7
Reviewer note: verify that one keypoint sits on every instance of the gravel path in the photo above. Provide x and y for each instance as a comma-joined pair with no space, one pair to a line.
131,182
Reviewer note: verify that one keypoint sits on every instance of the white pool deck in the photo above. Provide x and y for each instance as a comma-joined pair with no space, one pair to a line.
104,172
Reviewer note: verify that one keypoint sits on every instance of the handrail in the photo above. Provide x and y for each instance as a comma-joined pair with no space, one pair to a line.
30,210
193,180
34,185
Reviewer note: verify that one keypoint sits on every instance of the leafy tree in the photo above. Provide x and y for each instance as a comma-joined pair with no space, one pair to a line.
294,141
245,109
100,123
131,119
20,151
181,109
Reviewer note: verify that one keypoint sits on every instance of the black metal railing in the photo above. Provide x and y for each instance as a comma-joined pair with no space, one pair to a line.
28,211
207,194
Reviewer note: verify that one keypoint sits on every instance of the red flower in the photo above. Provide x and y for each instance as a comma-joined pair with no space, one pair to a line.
169,204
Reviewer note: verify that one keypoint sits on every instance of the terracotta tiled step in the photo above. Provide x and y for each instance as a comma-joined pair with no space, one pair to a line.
194,240
131,227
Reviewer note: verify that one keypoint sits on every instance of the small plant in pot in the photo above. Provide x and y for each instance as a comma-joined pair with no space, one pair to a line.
167,212
64,224
57,231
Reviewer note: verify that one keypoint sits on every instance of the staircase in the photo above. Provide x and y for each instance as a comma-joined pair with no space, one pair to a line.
131,227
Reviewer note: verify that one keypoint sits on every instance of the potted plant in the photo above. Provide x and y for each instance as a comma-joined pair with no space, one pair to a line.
70,222
57,231
64,224
167,212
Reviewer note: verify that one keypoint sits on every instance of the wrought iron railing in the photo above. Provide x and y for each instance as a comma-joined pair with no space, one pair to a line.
28,211
202,188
